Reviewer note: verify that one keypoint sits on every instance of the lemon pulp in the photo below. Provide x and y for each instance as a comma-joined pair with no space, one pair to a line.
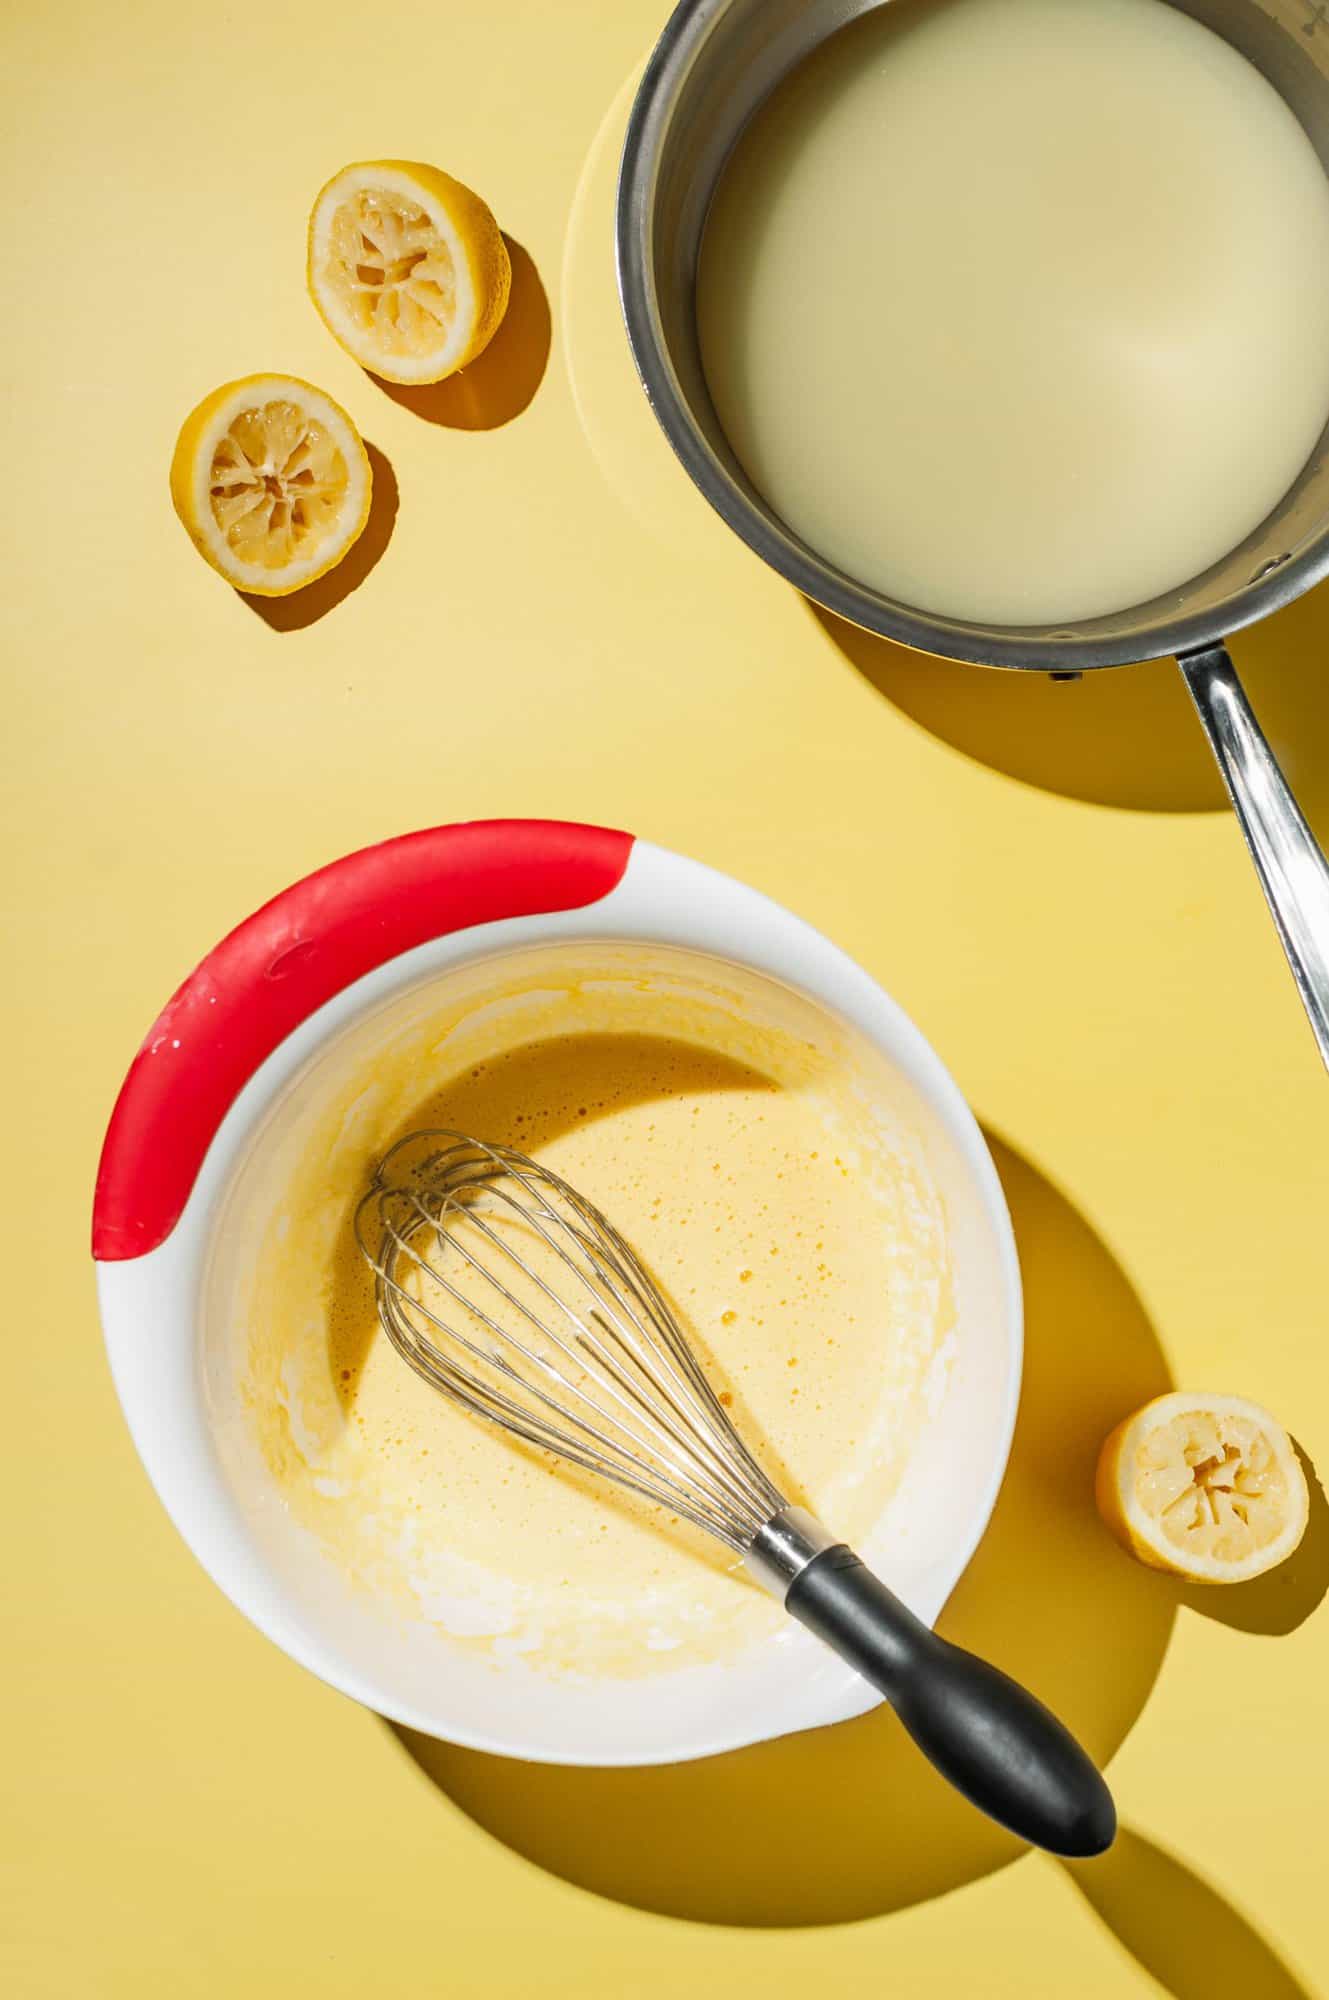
395,273
277,486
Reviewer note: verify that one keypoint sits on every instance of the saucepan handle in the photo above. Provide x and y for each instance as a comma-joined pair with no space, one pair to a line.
988,1736
1292,869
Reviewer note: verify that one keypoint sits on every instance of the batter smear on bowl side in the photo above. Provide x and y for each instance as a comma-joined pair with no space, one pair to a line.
778,1199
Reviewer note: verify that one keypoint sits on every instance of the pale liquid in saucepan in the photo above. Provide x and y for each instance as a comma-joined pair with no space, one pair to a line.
1018,310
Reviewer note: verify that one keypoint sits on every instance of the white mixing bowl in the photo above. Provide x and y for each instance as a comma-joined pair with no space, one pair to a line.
256,1037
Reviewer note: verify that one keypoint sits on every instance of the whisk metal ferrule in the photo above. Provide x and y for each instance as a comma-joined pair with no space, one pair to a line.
783,1547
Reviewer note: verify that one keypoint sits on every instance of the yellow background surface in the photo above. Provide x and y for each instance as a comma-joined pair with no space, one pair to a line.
553,624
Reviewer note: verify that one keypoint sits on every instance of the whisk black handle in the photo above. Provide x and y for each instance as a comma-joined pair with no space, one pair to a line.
986,1734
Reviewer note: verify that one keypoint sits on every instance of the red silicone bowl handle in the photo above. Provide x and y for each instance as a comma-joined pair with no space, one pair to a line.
295,954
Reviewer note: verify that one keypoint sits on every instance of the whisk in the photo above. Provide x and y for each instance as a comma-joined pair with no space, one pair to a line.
513,1295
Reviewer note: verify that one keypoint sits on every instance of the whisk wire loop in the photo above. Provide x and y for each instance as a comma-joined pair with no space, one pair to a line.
509,1292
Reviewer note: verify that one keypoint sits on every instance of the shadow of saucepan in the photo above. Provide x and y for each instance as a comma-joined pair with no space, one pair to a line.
1127,736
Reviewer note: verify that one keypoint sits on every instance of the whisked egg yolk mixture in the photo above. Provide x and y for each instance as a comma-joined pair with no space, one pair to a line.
796,1232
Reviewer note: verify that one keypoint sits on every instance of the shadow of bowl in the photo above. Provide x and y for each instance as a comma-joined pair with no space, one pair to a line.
876,1830
1126,737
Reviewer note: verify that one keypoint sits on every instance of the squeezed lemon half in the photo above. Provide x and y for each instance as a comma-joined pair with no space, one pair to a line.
1208,1487
271,481
408,269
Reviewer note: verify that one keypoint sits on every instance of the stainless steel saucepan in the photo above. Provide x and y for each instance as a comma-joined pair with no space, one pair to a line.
714,64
